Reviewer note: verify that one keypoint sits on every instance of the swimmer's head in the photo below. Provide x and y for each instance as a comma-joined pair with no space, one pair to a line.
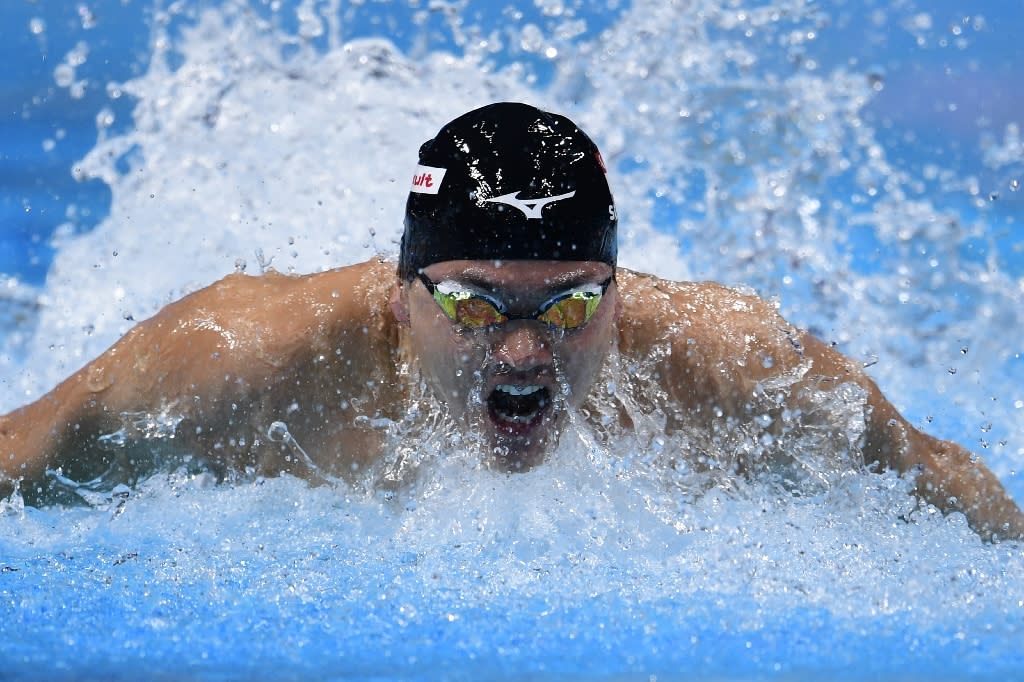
508,182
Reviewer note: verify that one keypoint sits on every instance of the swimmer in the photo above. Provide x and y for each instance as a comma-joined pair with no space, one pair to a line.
505,307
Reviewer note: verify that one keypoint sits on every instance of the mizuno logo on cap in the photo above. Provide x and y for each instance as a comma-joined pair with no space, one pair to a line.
531,208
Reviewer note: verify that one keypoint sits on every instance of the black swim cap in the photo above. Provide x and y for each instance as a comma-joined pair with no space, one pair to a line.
508,182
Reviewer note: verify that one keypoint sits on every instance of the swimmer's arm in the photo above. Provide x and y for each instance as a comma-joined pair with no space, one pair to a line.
32,436
180,360
212,359
949,476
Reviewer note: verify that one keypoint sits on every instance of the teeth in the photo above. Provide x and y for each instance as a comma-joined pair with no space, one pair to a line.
517,390
515,418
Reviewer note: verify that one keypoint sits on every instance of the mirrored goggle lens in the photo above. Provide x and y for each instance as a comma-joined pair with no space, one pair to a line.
470,310
478,312
571,311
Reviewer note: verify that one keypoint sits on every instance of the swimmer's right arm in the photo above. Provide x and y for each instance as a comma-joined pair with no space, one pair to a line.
184,358
212,359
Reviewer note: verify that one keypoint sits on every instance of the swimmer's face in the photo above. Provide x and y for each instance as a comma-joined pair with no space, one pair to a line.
511,381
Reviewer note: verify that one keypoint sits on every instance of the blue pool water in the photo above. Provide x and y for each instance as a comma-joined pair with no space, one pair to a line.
858,162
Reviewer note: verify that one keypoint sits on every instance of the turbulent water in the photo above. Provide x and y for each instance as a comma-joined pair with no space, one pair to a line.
281,135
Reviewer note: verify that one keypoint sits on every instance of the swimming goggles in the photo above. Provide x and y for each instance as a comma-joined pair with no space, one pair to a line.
474,310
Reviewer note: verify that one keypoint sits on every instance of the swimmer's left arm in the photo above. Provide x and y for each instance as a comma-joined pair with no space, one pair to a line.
720,344
949,476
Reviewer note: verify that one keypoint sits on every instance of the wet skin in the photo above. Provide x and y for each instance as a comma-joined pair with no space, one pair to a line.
511,383
327,355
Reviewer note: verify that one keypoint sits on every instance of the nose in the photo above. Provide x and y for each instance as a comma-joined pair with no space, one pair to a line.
524,345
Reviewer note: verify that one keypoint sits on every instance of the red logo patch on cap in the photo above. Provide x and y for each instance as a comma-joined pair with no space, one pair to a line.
427,179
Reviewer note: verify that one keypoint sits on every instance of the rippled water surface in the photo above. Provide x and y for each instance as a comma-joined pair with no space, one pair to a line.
859,163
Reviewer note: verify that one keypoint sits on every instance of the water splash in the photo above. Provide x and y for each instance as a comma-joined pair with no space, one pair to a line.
278,432
732,159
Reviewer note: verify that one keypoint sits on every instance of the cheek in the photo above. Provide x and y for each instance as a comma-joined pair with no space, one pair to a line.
464,359
583,354
449,360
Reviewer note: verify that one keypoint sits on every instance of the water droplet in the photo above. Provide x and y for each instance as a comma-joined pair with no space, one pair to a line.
952,370
112,441
63,75
104,119
87,17
278,432
36,26
1014,185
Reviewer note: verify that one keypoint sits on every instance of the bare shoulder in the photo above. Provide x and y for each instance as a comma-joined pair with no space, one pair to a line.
245,331
708,342
282,310
722,320
353,288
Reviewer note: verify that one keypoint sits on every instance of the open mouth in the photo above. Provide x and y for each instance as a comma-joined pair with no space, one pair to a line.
517,409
